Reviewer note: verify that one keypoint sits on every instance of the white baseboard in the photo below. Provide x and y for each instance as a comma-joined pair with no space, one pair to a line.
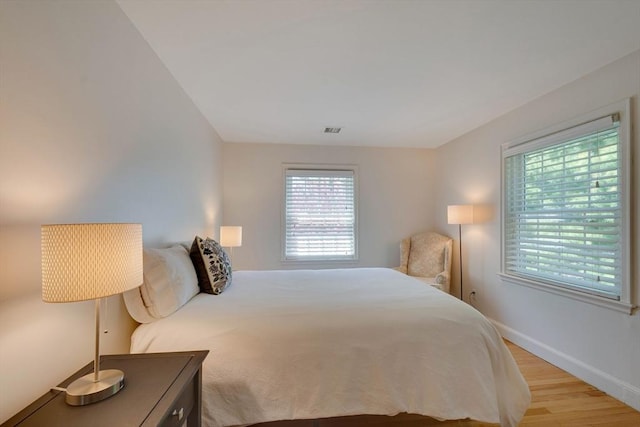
615,387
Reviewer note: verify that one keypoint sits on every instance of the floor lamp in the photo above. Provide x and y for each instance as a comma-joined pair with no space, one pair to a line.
460,214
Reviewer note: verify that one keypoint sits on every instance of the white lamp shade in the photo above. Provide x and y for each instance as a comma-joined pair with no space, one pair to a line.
460,214
230,236
89,261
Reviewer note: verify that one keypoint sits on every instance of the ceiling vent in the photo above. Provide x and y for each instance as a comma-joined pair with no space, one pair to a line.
332,130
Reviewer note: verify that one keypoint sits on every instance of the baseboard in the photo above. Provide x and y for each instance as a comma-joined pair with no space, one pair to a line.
615,387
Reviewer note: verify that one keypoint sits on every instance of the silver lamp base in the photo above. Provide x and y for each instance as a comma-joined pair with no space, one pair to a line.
86,390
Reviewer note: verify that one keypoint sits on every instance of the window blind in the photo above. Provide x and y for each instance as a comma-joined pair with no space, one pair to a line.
320,215
563,208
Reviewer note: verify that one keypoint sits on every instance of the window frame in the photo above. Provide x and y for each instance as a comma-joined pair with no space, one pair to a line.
531,142
315,260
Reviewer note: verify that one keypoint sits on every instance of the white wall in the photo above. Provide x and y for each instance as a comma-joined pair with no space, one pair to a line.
93,128
395,188
597,344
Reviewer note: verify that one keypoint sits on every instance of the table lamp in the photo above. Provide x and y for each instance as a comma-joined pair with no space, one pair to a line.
88,262
230,237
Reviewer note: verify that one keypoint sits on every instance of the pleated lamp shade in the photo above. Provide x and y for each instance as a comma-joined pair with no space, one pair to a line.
90,261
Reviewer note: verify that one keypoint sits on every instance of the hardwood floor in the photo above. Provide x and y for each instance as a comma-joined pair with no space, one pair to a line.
558,399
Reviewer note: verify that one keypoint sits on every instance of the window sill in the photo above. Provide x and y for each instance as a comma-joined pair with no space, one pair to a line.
320,263
620,306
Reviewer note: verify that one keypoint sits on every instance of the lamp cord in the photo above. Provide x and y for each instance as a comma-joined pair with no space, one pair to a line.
460,258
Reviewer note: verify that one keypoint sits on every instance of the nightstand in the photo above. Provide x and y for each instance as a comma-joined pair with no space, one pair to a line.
161,389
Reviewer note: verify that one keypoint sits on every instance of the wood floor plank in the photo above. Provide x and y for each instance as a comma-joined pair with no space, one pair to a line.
558,399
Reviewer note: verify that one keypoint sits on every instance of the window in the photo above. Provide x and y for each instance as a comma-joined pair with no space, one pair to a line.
320,214
565,209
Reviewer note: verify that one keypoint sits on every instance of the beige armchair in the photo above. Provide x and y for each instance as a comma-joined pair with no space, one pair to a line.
427,256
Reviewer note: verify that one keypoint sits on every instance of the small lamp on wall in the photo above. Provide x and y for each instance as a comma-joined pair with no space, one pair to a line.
230,237
460,214
89,262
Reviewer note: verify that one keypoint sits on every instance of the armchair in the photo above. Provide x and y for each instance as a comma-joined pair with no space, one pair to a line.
427,256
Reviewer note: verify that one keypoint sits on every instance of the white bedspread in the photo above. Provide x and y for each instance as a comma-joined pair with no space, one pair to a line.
321,343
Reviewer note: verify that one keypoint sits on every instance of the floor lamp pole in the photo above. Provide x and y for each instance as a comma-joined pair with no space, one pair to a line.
460,214
460,258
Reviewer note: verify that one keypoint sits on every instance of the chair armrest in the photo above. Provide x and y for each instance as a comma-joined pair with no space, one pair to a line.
443,278
401,269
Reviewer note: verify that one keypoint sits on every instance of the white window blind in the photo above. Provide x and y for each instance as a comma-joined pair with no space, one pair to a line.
320,215
563,208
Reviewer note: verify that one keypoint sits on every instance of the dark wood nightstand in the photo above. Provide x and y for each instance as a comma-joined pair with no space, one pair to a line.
161,389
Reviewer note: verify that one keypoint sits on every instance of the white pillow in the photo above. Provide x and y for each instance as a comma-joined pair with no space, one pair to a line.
135,306
170,281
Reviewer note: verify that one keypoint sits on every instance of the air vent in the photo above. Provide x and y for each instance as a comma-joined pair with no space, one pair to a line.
332,130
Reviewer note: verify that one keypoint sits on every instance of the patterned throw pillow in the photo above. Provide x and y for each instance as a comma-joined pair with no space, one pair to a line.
212,265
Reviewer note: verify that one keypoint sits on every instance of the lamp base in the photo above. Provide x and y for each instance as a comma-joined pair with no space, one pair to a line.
86,390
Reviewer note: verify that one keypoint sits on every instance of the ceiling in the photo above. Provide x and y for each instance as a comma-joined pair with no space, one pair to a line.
389,73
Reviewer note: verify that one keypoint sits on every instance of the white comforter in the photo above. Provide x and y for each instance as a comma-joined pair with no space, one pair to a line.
321,343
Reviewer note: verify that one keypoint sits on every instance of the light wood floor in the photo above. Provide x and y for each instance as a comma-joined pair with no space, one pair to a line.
558,399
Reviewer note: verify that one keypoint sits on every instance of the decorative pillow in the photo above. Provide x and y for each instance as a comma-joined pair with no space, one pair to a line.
212,265
170,281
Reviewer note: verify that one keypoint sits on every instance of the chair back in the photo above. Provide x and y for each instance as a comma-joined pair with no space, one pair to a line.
429,254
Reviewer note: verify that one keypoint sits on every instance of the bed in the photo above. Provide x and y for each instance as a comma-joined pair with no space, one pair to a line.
311,344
